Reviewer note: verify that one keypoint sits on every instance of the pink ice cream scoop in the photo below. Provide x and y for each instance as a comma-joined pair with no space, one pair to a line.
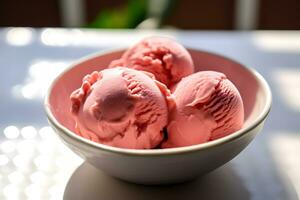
208,106
165,58
121,107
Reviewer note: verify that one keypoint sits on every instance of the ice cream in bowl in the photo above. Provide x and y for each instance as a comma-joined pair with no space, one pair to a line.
157,113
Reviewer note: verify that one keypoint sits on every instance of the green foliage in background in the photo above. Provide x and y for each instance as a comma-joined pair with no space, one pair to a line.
128,16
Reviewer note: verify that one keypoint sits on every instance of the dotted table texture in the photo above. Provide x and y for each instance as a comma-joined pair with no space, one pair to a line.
35,164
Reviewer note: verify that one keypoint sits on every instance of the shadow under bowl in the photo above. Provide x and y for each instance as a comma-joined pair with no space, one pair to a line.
160,166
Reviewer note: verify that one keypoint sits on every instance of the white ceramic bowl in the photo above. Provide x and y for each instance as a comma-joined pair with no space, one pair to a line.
160,166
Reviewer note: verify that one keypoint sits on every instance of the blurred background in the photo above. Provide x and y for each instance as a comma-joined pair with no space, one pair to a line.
188,14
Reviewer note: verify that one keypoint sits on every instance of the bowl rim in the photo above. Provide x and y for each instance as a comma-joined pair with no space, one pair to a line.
154,152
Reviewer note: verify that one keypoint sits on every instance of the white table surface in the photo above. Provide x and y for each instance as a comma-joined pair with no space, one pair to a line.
34,164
